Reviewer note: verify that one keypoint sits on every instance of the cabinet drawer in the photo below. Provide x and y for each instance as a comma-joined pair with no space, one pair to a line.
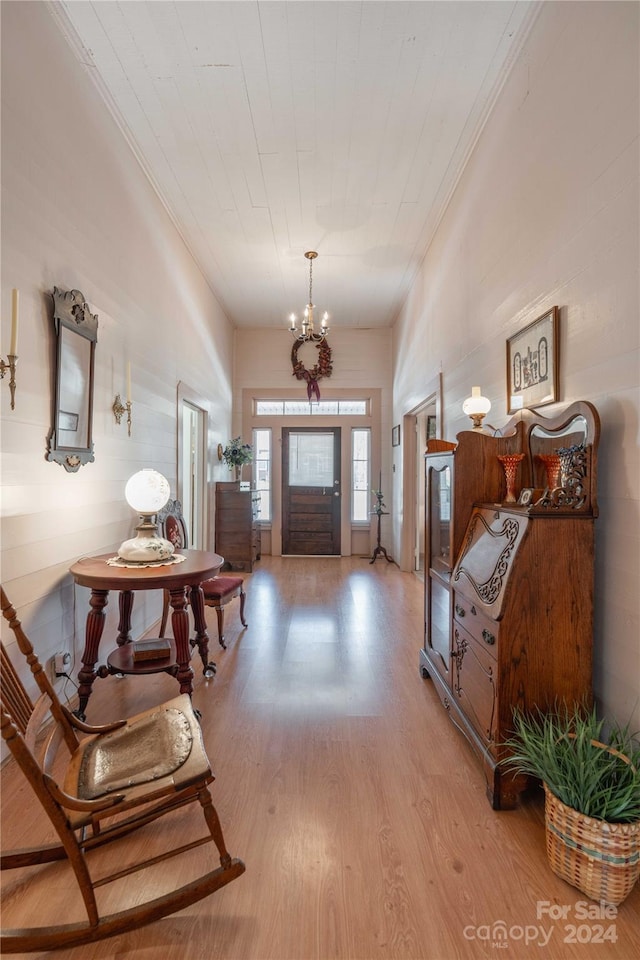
475,623
475,678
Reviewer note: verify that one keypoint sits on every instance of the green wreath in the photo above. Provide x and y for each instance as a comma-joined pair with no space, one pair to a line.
323,368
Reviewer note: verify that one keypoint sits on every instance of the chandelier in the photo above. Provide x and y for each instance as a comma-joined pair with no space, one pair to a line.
306,333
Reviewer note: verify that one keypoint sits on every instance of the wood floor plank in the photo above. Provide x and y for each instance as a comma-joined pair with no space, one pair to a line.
359,809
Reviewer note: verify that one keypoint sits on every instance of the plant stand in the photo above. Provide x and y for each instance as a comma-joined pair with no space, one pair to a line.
379,549
379,512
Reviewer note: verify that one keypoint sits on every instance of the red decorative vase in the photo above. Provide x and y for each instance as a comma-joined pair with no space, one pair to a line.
510,463
551,463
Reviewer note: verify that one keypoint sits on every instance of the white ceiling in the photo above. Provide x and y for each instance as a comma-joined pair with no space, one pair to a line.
272,128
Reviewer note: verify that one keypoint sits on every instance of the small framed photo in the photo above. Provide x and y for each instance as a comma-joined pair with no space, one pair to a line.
395,436
431,428
532,364
529,495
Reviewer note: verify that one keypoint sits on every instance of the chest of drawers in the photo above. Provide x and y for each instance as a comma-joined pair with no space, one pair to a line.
237,526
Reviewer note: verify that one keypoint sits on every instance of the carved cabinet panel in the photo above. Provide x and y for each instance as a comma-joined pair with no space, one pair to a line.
487,557
475,684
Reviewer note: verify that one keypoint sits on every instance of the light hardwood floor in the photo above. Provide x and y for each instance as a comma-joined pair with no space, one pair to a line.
358,808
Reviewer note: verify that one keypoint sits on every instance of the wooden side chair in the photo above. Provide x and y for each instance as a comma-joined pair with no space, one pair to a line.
219,591
117,778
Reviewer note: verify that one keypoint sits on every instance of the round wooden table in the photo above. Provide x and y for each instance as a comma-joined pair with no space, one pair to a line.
177,578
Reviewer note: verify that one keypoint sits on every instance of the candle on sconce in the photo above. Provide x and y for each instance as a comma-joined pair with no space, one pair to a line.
13,349
128,381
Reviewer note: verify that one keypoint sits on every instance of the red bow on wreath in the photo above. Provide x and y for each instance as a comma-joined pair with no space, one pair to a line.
322,368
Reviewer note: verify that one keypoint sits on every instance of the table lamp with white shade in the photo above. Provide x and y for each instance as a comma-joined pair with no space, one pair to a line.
146,492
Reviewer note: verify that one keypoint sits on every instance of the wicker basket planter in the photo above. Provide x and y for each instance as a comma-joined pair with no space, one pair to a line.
599,858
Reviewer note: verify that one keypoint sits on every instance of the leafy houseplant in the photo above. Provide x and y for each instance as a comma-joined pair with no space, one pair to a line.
592,796
236,454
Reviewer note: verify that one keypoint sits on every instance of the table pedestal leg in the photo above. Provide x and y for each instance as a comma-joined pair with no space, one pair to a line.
202,637
124,627
180,626
93,633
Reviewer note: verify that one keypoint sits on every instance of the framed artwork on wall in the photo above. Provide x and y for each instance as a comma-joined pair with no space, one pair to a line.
532,364
431,428
395,436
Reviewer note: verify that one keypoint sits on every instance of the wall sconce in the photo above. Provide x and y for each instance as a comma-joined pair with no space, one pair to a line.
477,407
119,407
12,356
146,492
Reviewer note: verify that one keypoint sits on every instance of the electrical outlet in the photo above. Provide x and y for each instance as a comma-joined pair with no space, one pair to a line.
61,663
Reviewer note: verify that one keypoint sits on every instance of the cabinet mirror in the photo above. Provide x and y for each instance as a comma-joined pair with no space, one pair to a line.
571,434
562,450
76,328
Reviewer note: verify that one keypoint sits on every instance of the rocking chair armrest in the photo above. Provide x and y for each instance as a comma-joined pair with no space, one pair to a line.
89,728
82,806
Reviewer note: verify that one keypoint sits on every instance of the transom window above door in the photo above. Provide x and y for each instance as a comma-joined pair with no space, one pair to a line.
303,408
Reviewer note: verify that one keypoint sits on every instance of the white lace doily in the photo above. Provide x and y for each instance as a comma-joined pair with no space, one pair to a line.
137,564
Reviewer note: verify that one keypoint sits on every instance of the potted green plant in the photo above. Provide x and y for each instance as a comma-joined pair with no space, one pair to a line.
236,454
591,781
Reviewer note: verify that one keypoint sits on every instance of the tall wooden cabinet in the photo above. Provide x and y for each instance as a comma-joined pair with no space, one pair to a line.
509,586
237,527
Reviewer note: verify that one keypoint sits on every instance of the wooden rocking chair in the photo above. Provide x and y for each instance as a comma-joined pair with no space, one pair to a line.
120,777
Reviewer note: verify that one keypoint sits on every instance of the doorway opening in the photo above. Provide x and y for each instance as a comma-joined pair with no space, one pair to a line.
193,429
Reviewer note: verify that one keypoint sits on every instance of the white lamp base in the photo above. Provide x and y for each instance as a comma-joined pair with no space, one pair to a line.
146,549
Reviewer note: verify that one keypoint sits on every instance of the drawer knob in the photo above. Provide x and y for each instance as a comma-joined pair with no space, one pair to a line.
488,637
460,610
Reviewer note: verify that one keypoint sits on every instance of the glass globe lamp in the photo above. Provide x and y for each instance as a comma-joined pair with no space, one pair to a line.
146,492
477,407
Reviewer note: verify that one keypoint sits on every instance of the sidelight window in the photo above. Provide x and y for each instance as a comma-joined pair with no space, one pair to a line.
262,470
360,473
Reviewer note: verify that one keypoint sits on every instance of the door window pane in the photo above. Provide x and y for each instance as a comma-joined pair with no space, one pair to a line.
269,408
311,460
297,408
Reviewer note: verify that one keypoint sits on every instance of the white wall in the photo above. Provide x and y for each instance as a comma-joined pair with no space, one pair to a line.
547,213
77,212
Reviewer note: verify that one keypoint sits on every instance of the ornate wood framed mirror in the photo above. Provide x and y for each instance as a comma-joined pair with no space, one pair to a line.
71,437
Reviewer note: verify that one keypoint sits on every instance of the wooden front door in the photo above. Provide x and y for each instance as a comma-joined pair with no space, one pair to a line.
311,495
